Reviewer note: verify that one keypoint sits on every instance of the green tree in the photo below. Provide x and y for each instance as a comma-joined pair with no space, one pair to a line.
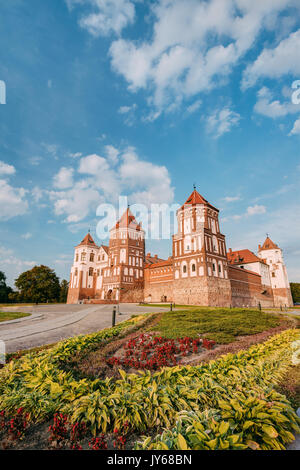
295,289
64,286
40,284
5,290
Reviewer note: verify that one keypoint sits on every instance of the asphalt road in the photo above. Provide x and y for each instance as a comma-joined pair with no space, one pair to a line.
53,323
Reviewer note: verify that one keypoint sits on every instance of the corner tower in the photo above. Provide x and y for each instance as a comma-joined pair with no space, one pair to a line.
83,273
199,255
273,256
124,277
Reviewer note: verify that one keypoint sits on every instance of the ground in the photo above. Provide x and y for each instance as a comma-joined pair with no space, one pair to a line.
7,316
193,336
51,323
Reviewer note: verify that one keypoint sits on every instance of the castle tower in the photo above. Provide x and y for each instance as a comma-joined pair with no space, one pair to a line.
272,254
199,255
124,276
83,273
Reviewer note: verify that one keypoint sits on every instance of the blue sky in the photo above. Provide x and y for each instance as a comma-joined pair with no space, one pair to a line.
109,97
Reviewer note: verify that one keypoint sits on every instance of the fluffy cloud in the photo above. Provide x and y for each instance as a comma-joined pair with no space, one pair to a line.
12,200
105,16
13,265
100,180
214,36
222,121
6,169
296,128
64,178
267,106
274,63
255,210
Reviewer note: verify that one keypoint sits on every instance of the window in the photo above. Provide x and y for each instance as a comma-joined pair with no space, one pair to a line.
193,268
214,267
76,271
92,256
76,259
220,268
184,269
83,256
91,272
273,275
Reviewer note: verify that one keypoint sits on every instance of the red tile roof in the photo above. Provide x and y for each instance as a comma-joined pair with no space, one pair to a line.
196,198
160,263
268,245
152,259
88,240
128,221
243,257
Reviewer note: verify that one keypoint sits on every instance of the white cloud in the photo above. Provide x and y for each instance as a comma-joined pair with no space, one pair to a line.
26,236
64,178
75,155
12,201
106,16
6,169
100,180
222,121
112,153
231,198
13,265
274,63
256,210
296,128
194,46
267,106
192,108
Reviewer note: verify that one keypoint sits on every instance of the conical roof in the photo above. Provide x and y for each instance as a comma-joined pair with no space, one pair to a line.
268,245
88,240
196,198
128,220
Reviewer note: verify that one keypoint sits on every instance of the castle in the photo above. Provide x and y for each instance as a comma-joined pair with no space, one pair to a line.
200,271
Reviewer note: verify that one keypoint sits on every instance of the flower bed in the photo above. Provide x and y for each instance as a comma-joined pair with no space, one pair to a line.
232,399
154,352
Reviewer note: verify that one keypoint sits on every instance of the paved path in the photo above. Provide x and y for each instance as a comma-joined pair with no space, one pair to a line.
53,323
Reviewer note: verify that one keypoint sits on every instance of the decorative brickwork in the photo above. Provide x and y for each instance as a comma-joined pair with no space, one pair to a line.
200,271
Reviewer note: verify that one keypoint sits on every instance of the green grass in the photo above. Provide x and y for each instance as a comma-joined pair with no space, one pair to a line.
6,316
219,324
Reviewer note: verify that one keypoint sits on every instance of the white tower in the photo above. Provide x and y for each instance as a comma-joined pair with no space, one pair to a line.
272,255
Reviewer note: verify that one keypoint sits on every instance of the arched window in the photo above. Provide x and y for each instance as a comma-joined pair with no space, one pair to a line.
193,268
184,268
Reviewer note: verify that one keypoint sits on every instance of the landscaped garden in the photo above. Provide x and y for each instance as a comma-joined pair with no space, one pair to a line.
190,379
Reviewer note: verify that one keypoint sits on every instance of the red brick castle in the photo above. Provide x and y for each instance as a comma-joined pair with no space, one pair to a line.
200,271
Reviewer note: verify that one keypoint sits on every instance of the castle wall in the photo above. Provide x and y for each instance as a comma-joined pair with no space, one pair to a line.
214,292
247,289
283,297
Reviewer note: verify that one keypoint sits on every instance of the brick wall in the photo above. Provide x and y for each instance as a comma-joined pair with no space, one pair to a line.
247,289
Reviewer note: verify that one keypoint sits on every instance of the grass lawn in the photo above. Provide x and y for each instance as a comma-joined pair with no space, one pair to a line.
6,316
220,324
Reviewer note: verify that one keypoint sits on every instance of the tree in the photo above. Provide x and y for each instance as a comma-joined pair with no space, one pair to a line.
295,289
64,287
40,284
4,289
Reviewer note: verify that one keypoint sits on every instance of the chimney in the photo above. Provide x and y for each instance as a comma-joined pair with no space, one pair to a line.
155,256
230,251
148,255
259,247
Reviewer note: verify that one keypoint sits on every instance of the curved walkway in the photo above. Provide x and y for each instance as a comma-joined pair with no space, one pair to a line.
58,322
